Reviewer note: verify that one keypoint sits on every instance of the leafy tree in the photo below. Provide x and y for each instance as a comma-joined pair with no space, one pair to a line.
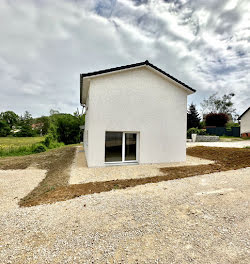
81,119
68,130
25,126
214,119
215,104
44,124
10,118
4,128
193,119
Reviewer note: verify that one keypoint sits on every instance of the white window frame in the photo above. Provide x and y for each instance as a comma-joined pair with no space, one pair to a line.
123,161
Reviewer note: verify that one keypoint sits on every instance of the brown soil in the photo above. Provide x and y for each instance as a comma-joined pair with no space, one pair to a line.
57,163
55,186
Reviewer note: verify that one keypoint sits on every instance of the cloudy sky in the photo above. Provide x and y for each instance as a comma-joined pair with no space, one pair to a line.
45,45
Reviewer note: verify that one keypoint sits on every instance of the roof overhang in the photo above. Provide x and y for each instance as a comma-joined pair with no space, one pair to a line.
86,78
239,118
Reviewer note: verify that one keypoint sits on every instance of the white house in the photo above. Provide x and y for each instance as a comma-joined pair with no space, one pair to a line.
134,114
245,123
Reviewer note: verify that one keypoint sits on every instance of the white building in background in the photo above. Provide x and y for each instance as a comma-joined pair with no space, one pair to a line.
245,123
134,114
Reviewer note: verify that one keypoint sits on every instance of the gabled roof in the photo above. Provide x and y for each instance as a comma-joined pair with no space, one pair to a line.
144,63
239,118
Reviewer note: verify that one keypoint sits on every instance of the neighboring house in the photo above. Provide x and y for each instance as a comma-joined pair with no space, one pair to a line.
37,126
245,123
134,114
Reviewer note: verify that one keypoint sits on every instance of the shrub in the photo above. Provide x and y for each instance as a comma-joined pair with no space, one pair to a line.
218,120
39,148
55,145
48,140
194,130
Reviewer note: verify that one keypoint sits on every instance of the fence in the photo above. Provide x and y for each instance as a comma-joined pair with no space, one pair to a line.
222,131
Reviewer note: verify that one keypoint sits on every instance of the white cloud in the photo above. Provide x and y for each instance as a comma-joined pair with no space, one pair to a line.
45,45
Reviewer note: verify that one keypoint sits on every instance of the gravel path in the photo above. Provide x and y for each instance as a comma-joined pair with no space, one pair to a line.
80,173
15,184
201,219
234,144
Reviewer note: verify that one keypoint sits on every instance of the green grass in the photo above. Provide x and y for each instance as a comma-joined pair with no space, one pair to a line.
12,142
18,146
229,138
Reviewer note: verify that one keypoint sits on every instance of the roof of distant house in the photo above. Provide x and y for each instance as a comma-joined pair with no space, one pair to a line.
244,113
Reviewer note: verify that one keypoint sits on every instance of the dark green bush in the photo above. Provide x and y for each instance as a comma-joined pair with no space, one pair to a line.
48,140
39,148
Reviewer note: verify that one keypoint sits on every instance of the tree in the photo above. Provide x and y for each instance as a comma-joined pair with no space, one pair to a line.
215,104
218,120
10,118
43,124
80,117
25,126
67,127
193,119
27,118
4,128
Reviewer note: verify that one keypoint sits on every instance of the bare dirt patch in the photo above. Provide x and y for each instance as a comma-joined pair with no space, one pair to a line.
225,159
55,187
57,163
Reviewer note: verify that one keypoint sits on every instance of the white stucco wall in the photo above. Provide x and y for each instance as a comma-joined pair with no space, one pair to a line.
137,100
86,132
245,123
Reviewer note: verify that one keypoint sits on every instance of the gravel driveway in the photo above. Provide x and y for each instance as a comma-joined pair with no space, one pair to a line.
202,219
233,144
15,184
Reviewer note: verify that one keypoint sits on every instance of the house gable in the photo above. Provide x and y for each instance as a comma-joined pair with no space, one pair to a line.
85,79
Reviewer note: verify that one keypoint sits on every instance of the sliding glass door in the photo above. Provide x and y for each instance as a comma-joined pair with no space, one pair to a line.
113,146
130,146
120,147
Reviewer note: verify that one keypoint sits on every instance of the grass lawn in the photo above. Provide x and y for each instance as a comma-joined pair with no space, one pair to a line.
7,142
18,146
230,139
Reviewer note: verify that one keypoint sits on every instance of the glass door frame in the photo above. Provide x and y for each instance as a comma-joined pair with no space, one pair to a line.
123,161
